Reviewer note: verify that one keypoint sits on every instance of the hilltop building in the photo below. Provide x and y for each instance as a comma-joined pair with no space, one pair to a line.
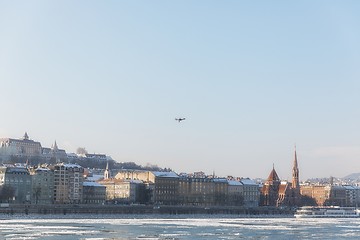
24,147
94,156
59,155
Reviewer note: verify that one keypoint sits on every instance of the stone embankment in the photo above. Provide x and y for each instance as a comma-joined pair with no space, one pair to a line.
139,209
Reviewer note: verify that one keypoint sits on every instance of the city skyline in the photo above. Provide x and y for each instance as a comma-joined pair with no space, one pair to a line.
251,79
31,150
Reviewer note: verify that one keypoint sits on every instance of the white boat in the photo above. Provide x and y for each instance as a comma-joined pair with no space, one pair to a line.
327,212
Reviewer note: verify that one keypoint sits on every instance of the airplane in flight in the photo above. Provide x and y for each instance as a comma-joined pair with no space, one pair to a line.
179,119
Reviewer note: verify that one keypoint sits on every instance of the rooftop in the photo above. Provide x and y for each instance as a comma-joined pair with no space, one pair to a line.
166,174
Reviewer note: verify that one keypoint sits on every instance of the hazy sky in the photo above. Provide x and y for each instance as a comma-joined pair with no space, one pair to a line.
252,79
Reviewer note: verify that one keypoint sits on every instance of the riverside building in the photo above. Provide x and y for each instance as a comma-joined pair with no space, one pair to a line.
18,179
93,193
282,193
163,186
42,186
68,183
250,192
123,191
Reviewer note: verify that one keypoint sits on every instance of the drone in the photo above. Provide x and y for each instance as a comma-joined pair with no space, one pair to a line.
179,119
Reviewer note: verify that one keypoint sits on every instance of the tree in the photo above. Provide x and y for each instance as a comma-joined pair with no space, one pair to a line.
6,193
308,201
81,150
235,200
37,194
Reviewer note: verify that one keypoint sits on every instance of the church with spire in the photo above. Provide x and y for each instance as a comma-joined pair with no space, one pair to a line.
282,193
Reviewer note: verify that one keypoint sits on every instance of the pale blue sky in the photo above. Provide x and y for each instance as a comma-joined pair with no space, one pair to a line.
252,78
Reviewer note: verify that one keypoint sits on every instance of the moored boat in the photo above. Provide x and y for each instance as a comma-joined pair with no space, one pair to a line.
327,212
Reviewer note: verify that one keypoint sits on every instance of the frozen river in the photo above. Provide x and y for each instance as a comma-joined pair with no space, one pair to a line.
174,227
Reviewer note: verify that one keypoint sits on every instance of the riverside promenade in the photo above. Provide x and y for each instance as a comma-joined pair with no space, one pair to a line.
29,209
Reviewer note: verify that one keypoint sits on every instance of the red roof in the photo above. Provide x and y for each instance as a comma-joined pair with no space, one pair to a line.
273,176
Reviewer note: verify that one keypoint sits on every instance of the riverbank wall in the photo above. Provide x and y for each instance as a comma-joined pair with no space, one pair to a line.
139,209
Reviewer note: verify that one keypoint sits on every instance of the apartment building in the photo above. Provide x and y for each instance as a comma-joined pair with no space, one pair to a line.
18,179
68,183
42,186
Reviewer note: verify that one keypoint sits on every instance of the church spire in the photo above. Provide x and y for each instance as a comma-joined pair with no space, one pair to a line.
55,147
295,173
107,173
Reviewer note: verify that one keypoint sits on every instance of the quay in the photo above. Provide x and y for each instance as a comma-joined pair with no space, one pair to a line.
138,209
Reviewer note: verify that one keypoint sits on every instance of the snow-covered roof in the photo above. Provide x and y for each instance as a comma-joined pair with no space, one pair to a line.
220,180
234,183
166,174
95,178
17,170
92,184
69,165
247,181
42,169
134,181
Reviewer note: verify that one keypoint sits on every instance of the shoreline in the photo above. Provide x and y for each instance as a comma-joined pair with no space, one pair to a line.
80,209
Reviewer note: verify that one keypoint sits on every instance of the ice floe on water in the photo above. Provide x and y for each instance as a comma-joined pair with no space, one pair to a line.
168,227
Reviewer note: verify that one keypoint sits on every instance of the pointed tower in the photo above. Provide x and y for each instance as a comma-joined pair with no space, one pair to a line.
295,174
26,136
273,177
270,189
107,173
55,152
55,147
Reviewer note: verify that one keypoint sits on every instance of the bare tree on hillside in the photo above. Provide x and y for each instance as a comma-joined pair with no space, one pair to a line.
81,150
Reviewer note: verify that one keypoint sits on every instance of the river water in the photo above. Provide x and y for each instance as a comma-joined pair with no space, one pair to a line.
169,227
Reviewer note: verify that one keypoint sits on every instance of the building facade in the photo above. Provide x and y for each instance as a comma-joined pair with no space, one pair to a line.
282,193
58,155
19,180
68,183
196,191
93,193
320,193
123,191
163,186
166,188
250,192
24,147
42,186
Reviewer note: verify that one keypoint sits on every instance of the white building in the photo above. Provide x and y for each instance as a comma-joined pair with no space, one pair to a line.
235,192
123,191
251,192
24,147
